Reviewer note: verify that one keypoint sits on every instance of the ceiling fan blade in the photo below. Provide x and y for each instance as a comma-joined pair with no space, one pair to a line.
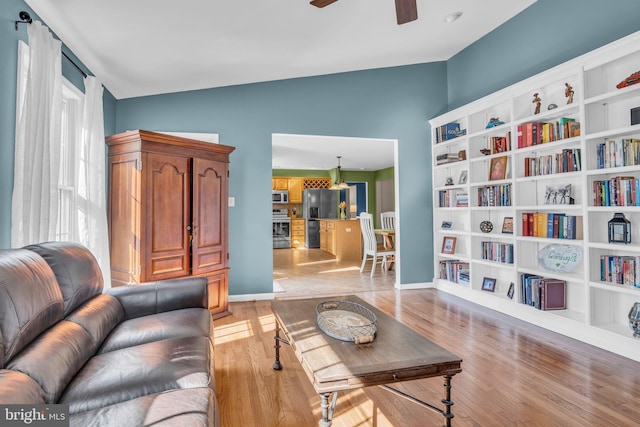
406,11
322,3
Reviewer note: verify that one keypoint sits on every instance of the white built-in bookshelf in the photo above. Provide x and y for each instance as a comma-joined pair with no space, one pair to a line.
583,143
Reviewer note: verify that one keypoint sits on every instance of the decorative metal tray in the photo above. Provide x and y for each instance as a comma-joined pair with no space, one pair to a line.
347,321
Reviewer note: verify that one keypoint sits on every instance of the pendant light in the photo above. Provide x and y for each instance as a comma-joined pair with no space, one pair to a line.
339,184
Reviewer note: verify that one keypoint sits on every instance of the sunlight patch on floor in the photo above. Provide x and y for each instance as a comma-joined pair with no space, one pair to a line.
326,261
232,332
338,270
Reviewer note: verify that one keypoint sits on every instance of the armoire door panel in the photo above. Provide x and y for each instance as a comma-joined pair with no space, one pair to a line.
168,216
124,217
209,206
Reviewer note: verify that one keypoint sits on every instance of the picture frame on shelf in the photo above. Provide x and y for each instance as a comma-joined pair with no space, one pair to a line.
463,177
511,290
558,195
498,168
447,225
507,225
488,284
448,245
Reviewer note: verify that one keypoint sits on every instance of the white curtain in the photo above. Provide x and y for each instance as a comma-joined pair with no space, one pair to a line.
37,148
92,229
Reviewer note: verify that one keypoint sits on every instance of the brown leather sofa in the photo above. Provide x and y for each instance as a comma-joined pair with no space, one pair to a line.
132,356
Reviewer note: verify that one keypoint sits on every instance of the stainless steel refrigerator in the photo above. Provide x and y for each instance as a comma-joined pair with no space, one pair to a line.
316,204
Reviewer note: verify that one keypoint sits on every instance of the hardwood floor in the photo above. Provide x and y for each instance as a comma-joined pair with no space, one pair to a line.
513,373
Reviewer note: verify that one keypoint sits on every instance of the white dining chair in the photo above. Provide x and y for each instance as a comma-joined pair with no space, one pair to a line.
387,221
371,249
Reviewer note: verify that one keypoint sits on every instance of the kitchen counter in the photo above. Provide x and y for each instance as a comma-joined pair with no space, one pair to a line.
341,238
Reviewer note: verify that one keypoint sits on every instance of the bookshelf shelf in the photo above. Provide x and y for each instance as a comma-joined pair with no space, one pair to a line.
597,119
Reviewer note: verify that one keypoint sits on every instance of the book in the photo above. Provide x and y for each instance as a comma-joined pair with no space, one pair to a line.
552,294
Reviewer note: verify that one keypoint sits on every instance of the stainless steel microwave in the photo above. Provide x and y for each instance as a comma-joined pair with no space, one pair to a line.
279,196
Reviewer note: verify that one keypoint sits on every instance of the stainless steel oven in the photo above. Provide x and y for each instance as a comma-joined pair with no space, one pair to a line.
281,229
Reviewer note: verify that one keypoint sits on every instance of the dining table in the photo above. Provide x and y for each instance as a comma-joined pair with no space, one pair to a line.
388,236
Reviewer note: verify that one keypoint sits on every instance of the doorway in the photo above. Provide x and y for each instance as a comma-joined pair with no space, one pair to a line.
307,271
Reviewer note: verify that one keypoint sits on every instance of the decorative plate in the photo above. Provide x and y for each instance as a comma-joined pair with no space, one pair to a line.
559,257
486,226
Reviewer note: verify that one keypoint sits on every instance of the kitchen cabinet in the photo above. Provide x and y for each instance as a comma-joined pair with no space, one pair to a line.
279,183
295,190
168,211
297,232
341,238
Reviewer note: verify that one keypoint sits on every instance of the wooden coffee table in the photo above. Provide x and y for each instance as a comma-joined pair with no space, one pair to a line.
397,354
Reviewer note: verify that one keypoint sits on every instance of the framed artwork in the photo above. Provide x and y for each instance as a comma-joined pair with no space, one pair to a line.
507,225
448,245
511,290
463,177
446,225
558,195
498,168
488,284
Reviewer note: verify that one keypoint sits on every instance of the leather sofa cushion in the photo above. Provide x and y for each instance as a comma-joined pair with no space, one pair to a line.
132,372
30,300
18,388
190,322
55,357
76,270
166,295
98,316
194,408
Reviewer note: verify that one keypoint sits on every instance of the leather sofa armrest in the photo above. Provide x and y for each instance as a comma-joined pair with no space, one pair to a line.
165,295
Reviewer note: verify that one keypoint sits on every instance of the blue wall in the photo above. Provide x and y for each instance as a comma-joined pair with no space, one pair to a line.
390,103
546,34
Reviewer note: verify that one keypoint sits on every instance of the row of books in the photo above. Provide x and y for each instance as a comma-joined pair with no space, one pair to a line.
455,271
569,160
449,131
621,270
500,144
494,195
534,133
617,153
542,293
617,191
498,252
552,225
453,198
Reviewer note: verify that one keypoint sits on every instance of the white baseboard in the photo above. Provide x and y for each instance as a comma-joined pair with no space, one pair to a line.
251,297
406,286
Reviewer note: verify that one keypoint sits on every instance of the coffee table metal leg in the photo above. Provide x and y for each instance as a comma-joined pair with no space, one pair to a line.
277,365
327,409
448,416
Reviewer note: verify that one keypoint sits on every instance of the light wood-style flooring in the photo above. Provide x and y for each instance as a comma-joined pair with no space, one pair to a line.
513,373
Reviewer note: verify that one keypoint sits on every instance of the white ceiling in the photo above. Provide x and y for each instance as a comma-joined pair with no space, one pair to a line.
319,152
147,47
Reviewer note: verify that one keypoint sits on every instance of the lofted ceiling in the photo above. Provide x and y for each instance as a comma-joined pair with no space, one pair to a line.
147,47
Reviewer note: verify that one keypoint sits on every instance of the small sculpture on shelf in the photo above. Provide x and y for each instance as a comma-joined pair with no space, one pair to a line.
552,107
568,93
538,102
631,80
485,151
449,181
493,122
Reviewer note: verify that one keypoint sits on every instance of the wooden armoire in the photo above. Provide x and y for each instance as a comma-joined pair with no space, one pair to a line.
168,202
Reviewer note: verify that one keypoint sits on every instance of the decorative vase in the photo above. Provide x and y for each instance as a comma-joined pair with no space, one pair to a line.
634,319
342,214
